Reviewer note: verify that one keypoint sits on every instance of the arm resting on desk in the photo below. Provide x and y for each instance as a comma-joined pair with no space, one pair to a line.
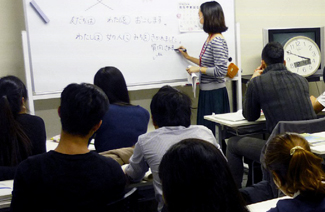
137,167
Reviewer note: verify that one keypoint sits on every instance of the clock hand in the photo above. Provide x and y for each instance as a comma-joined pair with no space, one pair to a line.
298,55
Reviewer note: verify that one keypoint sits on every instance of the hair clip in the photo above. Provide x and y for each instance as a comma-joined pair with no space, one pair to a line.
293,149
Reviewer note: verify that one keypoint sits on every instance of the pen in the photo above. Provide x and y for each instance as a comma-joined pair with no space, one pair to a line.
177,50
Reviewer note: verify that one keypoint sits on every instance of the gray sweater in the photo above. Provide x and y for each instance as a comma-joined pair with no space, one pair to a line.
282,95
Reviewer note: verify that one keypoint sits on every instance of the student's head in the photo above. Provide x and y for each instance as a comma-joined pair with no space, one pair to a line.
82,108
13,90
14,141
273,53
294,166
112,82
213,17
170,107
195,177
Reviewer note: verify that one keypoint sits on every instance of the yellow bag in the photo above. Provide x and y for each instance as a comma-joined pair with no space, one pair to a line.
232,70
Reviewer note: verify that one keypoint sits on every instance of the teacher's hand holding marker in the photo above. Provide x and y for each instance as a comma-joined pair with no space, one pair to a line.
212,64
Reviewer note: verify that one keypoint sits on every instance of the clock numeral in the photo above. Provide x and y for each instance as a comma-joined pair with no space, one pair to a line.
297,43
292,65
292,46
314,54
304,69
310,67
314,61
288,59
310,47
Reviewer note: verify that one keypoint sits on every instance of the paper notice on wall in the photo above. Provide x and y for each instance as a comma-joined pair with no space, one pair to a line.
188,17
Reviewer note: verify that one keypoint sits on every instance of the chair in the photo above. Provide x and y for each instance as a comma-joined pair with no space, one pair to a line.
129,203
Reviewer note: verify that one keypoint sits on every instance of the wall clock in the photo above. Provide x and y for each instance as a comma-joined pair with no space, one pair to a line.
302,55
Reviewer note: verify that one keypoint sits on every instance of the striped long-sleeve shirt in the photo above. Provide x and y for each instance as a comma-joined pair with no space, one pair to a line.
215,58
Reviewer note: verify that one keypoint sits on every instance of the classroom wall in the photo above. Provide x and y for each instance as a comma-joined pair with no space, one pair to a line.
253,15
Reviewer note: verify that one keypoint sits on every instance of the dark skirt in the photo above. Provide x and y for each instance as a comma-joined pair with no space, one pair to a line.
213,101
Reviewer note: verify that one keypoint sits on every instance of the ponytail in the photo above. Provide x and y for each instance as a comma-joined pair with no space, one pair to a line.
296,168
14,143
305,173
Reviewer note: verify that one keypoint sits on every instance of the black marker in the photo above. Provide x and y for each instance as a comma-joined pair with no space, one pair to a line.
177,50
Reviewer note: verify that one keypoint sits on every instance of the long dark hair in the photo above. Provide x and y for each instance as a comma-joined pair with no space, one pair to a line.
112,82
14,143
195,177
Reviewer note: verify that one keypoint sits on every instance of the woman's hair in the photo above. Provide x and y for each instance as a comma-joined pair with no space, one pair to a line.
214,19
14,143
112,82
195,177
294,166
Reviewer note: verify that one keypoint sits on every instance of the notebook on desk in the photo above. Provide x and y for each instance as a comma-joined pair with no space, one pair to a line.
315,139
237,116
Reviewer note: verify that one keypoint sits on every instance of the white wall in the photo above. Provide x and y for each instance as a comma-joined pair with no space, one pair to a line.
253,15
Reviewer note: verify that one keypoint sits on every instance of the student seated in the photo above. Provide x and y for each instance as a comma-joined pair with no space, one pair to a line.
21,134
281,94
318,103
297,172
123,122
171,115
195,177
71,178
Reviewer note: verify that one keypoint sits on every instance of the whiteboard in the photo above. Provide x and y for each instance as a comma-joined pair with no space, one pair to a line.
136,36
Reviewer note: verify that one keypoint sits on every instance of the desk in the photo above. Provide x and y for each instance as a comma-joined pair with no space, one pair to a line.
318,147
242,127
5,193
265,205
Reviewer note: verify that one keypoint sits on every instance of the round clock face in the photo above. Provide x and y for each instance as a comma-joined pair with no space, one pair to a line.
302,55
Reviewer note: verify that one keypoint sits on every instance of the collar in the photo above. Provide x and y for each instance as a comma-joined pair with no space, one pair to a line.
275,67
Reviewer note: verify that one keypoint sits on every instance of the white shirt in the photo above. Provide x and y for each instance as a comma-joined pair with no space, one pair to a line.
321,99
152,146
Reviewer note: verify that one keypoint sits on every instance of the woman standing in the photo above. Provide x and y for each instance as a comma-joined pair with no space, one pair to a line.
123,122
212,64
297,172
21,134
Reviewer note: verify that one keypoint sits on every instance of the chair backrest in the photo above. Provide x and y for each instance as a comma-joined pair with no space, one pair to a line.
303,126
129,203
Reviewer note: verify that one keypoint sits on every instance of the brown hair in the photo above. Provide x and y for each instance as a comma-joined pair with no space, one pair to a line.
294,169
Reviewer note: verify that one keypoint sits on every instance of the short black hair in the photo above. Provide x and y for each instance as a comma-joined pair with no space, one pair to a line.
171,107
112,82
273,53
82,107
214,19
195,177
